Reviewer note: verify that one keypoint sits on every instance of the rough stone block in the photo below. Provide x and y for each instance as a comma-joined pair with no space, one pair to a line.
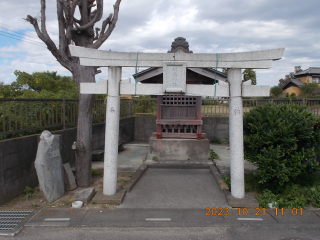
116,199
49,167
84,195
249,201
179,149
69,180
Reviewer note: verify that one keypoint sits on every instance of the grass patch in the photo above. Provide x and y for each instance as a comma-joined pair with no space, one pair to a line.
122,180
29,192
96,172
213,156
216,141
34,205
302,194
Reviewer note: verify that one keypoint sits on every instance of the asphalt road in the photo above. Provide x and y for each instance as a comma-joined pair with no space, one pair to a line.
253,232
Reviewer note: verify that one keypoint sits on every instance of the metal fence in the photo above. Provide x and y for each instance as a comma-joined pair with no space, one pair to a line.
23,115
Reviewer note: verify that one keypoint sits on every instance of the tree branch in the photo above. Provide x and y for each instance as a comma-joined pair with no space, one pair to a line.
43,35
69,23
62,37
96,18
112,24
73,7
76,20
97,34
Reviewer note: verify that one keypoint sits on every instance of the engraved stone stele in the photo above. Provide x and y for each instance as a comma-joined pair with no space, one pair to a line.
174,77
49,167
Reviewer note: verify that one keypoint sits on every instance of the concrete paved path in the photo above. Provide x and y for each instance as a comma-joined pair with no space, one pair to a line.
175,188
223,163
130,158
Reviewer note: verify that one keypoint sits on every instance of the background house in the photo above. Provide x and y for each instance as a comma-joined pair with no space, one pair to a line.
311,75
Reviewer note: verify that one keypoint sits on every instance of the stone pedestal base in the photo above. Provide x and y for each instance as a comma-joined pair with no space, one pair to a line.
178,149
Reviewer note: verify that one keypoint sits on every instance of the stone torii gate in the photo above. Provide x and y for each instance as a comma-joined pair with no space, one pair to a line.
174,81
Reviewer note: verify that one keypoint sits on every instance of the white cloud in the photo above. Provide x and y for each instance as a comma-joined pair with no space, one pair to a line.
209,26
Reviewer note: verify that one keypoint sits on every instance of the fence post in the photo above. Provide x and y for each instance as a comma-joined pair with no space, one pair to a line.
64,113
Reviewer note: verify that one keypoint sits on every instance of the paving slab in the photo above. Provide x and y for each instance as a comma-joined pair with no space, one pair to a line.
84,195
175,188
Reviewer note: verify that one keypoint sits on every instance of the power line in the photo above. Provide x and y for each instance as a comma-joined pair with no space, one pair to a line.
15,32
20,39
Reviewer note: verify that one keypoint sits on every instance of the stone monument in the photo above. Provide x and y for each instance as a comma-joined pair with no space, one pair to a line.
49,167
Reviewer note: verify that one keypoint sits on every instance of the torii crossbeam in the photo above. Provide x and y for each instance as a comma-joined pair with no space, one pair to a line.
174,65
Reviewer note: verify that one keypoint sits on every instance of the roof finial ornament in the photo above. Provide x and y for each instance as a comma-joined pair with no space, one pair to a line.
180,45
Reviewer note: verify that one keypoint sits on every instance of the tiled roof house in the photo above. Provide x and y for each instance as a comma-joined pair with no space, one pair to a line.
311,75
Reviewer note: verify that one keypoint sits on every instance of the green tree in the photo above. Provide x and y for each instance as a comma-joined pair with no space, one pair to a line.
308,88
275,91
40,85
286,79
250,74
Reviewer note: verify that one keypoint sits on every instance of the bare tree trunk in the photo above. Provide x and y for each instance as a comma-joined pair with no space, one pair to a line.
84,130
81,32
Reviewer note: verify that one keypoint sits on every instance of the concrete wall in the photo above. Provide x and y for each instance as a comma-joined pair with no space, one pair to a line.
17,156
216,127
144,127
17,166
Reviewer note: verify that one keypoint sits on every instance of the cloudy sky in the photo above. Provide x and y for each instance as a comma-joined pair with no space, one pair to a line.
210,26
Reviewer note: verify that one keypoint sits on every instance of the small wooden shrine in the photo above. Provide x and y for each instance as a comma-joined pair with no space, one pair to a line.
179,116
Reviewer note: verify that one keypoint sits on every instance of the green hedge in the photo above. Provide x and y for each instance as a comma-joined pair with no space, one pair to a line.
283,141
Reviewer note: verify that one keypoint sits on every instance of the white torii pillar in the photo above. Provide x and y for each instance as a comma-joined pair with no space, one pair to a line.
176,62
236,133
112,132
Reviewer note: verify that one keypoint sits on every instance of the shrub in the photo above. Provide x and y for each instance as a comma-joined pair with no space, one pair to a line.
283,141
